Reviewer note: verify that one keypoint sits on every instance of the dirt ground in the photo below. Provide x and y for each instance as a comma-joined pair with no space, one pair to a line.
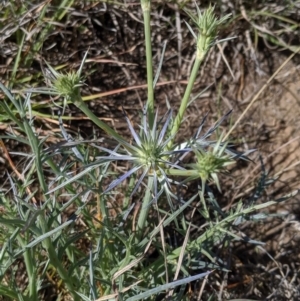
113,36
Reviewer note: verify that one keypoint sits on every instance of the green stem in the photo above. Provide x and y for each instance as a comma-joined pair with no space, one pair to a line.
84,108
202,199
181,172
30,268
145,4
185,99
144,210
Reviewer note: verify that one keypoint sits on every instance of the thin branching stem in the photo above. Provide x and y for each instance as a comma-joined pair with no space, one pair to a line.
146,6
84,108
186,98
145,209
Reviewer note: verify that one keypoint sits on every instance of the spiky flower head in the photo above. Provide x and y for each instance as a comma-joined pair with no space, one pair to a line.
66,85
211,162
212,157
148,154
208,26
